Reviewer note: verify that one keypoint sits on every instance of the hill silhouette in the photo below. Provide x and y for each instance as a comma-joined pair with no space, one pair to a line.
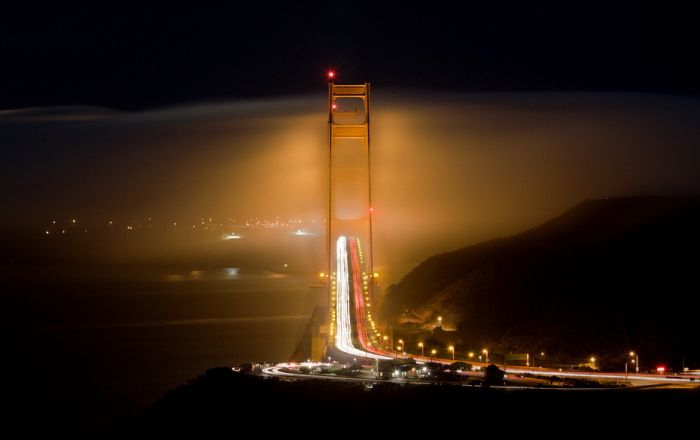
604,278
223,403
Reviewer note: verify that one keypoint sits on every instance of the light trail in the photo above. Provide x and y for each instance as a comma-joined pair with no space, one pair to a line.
593,375
358,291
276,370
346,289
343,337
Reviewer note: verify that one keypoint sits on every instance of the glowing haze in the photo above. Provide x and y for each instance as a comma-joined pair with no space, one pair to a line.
448,170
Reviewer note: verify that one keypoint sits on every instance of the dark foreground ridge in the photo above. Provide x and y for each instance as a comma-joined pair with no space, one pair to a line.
604,278
223,401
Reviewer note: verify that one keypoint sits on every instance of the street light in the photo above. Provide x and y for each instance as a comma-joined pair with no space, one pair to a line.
471,354
420,344
432,354
486,354
386,339
452,349
440,321
635,361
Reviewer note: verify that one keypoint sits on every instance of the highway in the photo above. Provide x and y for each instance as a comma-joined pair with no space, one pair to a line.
276,370
279,372
652,378
349,286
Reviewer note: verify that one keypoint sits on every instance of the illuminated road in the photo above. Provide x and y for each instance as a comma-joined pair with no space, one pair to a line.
350,291
277,372
655,378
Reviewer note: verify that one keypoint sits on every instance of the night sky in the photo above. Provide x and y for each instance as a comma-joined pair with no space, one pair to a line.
135,58
512,113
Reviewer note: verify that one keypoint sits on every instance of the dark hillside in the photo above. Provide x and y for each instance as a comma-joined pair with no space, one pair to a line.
605,277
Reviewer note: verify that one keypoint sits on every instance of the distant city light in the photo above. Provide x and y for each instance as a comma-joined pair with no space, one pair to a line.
231,236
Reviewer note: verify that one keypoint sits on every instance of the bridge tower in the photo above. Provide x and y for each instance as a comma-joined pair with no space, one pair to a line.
350,206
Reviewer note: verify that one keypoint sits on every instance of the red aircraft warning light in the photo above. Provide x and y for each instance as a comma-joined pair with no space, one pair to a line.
331,75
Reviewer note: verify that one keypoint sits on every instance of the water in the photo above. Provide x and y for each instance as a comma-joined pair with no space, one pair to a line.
102,341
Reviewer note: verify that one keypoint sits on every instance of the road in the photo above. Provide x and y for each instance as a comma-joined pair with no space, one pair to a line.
641,380
276,370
